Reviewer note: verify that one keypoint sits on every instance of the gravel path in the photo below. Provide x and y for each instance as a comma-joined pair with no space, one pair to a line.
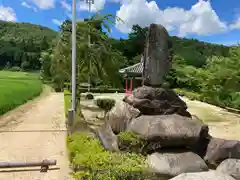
222,124
27,140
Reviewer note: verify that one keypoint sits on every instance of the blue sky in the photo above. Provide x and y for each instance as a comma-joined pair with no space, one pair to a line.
216,21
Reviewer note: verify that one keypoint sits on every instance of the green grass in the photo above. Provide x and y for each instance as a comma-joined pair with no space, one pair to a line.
16,88
90,160
67,101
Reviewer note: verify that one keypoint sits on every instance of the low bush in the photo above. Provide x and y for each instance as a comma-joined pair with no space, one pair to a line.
189,95
105,104
89,96
15,68
101,90
91,161
232,103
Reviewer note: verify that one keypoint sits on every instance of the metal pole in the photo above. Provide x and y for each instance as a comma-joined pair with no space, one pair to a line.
44,164
89,44
27,164
74,55
71,112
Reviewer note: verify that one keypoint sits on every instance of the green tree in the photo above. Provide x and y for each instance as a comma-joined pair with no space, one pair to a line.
100,58
222,85
46,60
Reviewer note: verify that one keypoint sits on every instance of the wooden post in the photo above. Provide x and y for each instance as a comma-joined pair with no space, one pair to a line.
133,83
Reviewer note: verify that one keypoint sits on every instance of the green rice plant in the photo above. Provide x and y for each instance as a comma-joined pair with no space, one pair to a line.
16,88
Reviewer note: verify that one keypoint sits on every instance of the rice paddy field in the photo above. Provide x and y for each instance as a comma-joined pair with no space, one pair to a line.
16,88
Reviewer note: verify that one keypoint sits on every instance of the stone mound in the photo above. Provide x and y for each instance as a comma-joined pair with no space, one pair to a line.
157,101
167,130
230,167
171,164
157,124
120,116
210,175
220,149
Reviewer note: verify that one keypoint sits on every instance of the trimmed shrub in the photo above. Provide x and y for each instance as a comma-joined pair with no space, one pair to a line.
105,103
101,90
188,94
89,96
15,69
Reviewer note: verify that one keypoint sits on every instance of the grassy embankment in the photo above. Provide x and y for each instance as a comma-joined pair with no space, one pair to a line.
16,88
91,160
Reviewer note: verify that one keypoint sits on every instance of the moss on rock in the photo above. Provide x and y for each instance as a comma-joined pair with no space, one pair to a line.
130,142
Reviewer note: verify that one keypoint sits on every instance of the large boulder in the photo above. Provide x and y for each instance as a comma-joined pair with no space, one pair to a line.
171,164
230,167
120,116
168,130
157,55
107,138
157,101
218,150
210,175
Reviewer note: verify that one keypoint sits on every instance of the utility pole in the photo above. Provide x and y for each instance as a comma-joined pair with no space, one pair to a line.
72,111
89,2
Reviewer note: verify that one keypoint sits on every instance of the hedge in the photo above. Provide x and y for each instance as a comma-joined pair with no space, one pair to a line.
101,90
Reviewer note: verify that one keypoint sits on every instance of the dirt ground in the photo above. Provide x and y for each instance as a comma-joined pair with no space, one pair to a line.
34,132
222,123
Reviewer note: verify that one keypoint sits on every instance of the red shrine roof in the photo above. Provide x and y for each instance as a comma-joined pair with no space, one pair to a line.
136,68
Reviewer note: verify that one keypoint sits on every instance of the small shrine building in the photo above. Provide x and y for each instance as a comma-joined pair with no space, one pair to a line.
133,76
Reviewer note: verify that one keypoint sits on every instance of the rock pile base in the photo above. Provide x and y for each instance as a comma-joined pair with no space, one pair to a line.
173,141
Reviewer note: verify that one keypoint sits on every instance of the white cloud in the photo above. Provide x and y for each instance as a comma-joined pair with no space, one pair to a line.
231,43
236,24
44,4
65,5
201,19
7,14
120,1
57,22
97,6
25,4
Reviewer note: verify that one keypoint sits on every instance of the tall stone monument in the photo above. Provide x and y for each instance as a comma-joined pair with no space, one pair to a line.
152,98
157,56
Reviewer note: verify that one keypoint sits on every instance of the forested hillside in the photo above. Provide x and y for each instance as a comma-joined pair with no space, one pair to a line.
22,43
190,51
